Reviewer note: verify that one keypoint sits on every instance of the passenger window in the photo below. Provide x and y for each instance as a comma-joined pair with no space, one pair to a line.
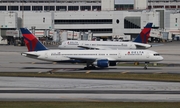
156,54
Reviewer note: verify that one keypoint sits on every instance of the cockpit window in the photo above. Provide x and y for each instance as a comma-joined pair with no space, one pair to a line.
156,54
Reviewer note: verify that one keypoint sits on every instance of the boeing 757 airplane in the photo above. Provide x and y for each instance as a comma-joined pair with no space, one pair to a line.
139,43
92,58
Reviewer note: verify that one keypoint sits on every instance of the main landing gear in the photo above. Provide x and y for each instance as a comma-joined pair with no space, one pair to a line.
89,66
146,65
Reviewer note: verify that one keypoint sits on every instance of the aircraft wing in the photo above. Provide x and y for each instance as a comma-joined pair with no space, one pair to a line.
142,46
91,47
155,45
91,59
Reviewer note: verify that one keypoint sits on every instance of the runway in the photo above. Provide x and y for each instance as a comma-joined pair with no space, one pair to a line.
59,89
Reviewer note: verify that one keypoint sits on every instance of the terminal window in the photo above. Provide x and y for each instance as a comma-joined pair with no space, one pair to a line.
73,8
37,8
92,30
98,8
83,8
2,8
84,21
49,8
14,8
132,22
61,8
25,8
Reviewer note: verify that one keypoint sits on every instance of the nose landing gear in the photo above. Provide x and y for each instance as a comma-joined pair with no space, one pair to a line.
146,65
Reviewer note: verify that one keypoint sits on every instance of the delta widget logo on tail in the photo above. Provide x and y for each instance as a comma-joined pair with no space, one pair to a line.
144,35
31,41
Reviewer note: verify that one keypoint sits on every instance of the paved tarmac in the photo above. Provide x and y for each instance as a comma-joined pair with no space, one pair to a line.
53,89
14,62
59,89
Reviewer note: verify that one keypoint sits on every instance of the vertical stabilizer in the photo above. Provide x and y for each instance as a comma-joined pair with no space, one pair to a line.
32,43
144,35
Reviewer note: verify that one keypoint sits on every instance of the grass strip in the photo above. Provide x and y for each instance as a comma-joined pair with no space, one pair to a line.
99,75
142,64
89,104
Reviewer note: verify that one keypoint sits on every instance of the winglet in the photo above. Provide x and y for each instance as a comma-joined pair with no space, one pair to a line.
144,35
32,43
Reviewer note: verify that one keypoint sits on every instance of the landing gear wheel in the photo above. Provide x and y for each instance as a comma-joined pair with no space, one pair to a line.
86,68
90,67
145,67
146,64
50,72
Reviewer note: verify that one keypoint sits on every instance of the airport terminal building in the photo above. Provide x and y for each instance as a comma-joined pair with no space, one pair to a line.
104,18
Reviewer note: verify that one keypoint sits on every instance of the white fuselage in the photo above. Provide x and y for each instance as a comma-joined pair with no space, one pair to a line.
74,44
110,55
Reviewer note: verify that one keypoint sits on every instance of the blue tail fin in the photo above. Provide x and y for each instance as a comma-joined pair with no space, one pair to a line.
144,35
32,43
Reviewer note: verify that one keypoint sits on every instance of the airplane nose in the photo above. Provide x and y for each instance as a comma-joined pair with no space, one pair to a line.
161,58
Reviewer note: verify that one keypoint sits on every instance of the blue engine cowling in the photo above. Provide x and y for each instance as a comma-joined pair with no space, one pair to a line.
102,63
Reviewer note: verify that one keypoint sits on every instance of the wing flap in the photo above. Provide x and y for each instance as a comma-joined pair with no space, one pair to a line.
96,48
91,59
88,47
143,46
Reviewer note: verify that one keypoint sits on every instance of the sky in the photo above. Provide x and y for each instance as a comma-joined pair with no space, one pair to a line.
124,1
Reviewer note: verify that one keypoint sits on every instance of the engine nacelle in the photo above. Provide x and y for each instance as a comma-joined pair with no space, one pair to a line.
102,63
112,63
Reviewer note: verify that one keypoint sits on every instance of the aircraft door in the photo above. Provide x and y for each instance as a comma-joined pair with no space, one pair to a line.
147,55
65,44
82,44
119,55
131,46
46,55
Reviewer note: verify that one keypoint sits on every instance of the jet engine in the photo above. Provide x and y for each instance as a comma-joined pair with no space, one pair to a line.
101,63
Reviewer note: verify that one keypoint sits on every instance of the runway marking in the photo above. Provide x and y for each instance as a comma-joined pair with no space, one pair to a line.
22,62
87,100
80,99
54,62
88,71
53,70
124,72
159,72
39,72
